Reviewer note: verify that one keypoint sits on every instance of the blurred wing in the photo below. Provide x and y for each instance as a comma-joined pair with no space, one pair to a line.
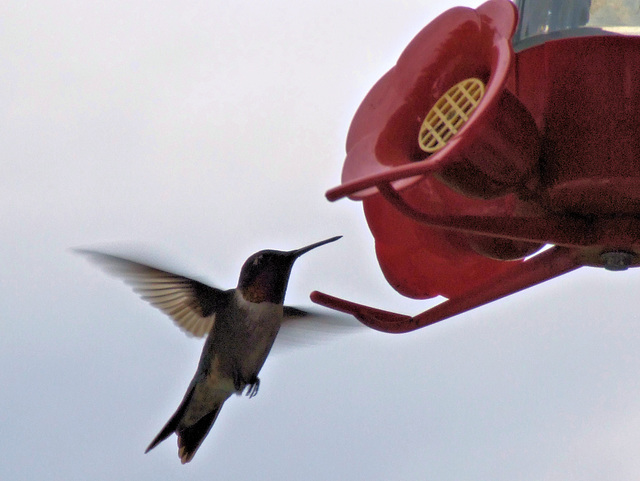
302,327
191,304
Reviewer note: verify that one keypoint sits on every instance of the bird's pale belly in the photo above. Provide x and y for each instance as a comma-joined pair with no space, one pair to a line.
259,327
240,343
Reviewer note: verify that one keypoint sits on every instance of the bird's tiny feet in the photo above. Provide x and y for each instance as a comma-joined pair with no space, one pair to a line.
254,385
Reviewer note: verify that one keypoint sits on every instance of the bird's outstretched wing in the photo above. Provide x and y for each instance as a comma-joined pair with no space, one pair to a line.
307,327
191,304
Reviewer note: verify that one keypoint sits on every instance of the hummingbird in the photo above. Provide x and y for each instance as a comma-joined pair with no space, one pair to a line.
241,325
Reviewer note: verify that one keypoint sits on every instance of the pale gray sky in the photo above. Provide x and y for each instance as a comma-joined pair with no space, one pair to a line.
202,132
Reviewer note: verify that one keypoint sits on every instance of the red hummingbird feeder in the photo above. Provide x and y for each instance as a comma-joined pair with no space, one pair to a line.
492,138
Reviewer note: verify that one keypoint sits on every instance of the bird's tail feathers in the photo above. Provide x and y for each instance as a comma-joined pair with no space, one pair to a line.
172,424
190,437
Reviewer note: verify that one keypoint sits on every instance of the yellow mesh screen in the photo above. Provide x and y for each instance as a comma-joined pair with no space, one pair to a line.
449,114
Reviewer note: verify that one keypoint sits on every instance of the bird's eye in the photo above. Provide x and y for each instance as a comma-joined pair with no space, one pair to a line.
257,260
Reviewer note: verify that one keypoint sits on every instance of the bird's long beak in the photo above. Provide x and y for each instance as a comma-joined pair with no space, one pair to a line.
298,252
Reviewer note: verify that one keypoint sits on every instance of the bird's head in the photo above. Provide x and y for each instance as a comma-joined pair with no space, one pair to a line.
265,275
